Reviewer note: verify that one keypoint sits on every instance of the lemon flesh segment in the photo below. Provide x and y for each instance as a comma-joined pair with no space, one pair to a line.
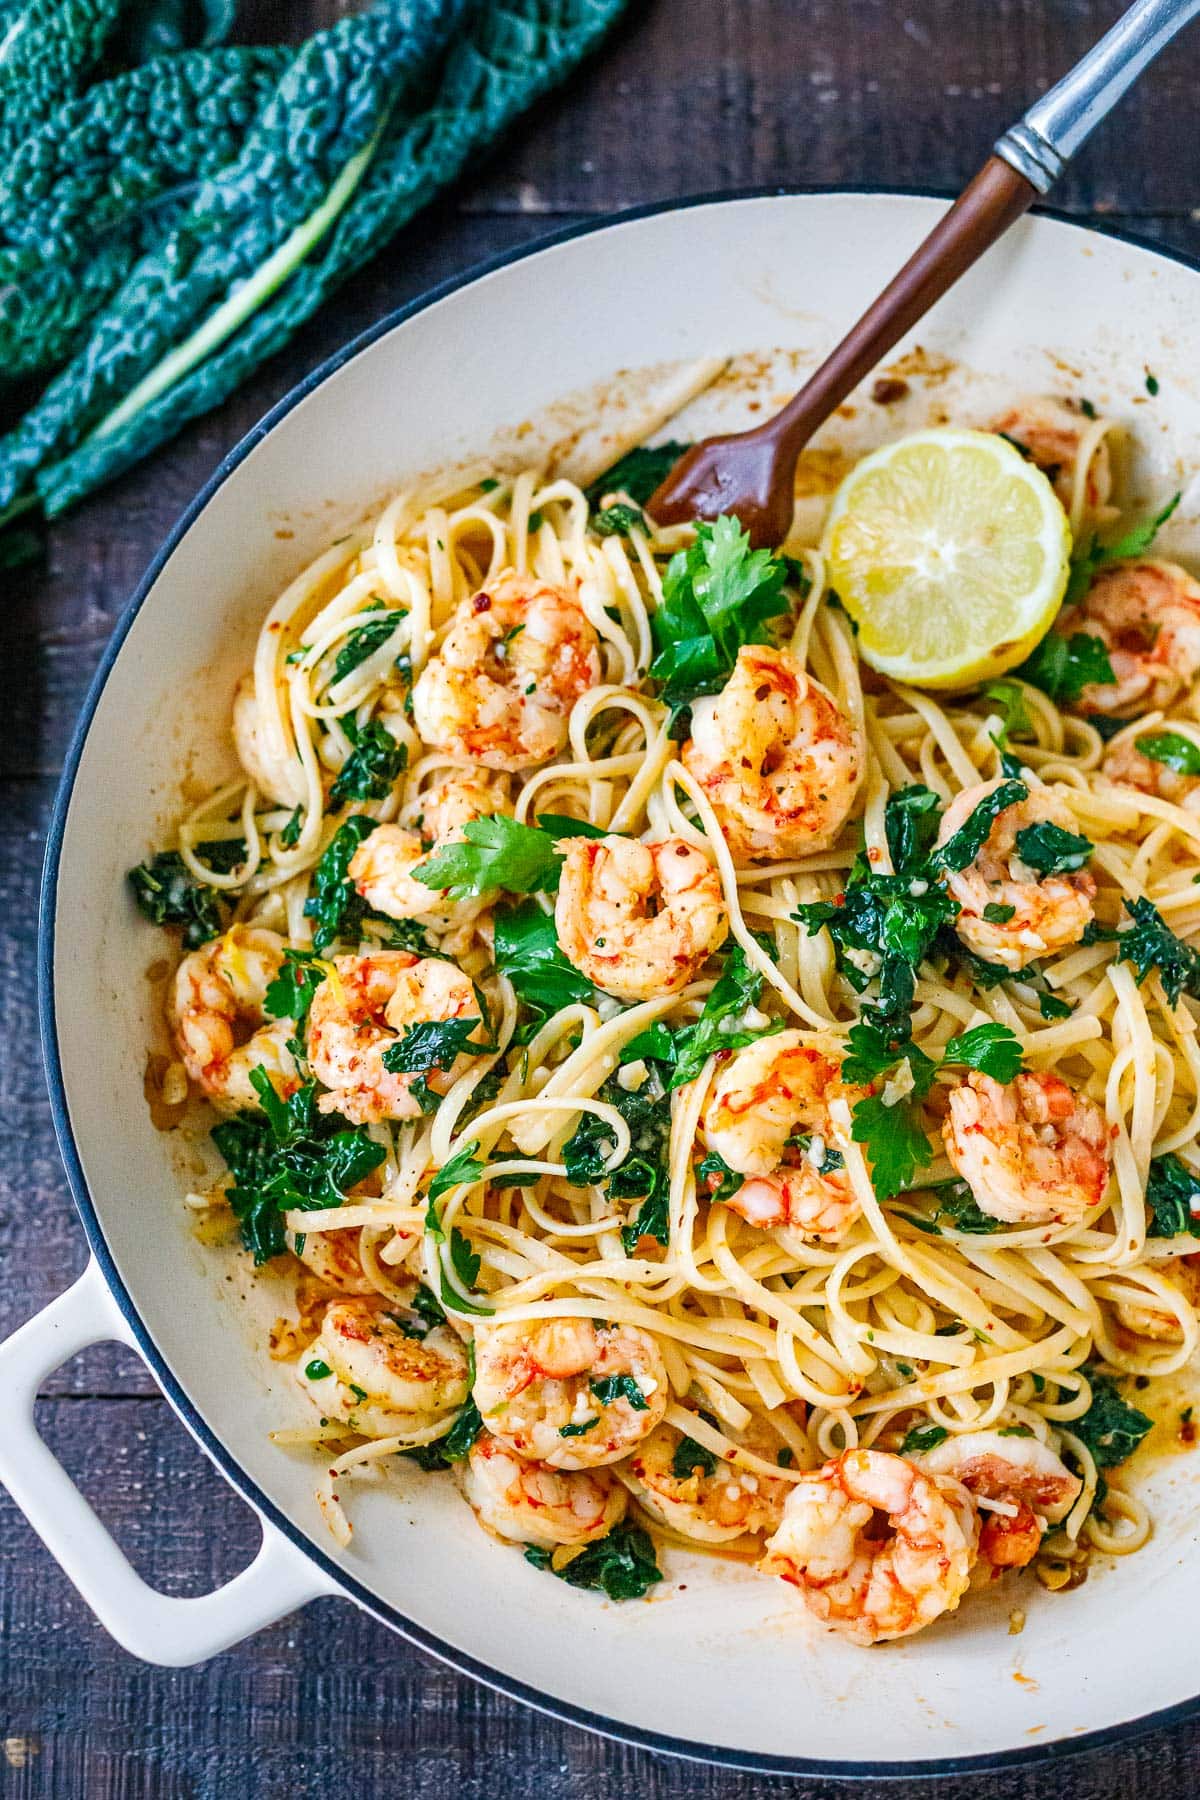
951,554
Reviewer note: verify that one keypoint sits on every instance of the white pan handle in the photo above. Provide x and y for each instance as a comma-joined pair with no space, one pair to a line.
157,1627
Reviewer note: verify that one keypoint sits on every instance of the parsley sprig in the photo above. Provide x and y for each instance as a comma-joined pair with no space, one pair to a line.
718,595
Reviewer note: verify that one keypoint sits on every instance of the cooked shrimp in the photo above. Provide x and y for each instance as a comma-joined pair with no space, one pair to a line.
516,658
382,866
532,1503
362,1010
216,1008
1126,764
767,1117
639,919
1052,431
1032,1486
1147,616
1048,913
569,1392
281,781
333,1258
361,1367
451,800
1033,1152
778,760
862,1581
713,1504
1156,1322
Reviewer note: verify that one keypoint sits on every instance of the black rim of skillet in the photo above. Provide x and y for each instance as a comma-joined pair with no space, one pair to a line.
353,1588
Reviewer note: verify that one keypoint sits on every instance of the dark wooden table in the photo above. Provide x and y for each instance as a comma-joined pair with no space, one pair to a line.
692,95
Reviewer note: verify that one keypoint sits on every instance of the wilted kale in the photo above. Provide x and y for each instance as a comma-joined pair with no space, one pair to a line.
685,1049
168,893
637,473
621,1565
289,1157
644,1174
371,768
1149,943
1111,1428
527,950
335,903
1172,1198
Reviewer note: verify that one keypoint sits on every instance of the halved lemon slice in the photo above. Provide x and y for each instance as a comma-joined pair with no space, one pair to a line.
951,553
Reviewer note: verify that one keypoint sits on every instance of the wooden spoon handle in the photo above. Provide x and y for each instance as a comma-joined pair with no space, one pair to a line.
982,213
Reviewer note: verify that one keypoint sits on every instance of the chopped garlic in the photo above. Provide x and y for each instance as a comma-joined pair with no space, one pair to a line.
632,1076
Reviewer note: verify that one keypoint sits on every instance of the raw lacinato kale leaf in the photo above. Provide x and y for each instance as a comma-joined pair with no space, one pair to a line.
498,852
1050,850
992,1049
168,893
1172,749
335,903
289,1157
1172,1198
621,1565
434,1044
1149,943
1111,1428
965,844
644,1174
1132,543
527,950
371,768
717,596
637,473
1063,666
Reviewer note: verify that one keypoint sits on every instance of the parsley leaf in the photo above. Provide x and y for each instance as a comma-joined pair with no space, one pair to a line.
992,1049
289,996
168,893
895,1142
434,1044
874,1047
637,473
1132,543
371,768
1111,1428
335,903
1050,850
1063,666
527,950
621,1565
717,596
1172,1191
498,852
289,1157
1149,943
687,1049
1171,748
464,1165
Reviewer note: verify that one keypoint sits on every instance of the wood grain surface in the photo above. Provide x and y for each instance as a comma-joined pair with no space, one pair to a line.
690,96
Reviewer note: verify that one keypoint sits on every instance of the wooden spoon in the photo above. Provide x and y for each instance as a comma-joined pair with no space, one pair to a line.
752,473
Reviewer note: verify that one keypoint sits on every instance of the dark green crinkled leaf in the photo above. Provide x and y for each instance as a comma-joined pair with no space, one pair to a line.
644,1174
527,950
289,1157
621,1565
168,893
1111,1428
1050,850
687,1048
1149,943
957,1206
334,902
1172,1198
618,521
637,473
370,770
434,1044
964,845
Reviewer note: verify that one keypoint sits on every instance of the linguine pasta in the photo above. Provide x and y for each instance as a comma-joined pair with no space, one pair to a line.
543,1177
